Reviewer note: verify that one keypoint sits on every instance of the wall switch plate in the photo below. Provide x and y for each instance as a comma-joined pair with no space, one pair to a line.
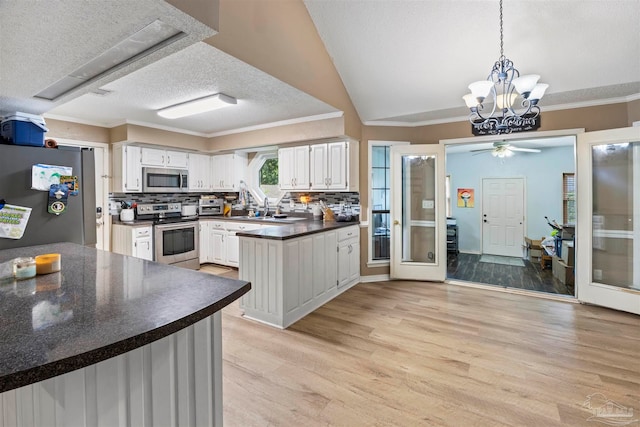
428,204
292,204
597,274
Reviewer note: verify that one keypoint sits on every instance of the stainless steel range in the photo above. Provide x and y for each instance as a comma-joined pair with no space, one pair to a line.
176,239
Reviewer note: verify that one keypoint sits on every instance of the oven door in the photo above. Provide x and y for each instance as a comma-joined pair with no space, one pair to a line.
178,244
158,180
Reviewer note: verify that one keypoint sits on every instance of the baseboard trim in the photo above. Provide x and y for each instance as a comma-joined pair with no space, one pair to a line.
374,278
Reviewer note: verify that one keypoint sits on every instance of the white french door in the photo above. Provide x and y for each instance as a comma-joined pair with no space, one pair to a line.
502,216
418,231
608,227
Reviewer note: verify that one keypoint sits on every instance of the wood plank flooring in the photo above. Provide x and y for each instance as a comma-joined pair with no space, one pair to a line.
531,277
424,354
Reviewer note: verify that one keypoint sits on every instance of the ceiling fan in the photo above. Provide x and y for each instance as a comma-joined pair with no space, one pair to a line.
504,149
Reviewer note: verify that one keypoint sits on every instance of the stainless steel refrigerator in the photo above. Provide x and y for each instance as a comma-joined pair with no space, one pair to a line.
77,223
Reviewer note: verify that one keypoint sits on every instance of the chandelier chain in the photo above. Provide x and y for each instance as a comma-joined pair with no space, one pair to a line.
501,34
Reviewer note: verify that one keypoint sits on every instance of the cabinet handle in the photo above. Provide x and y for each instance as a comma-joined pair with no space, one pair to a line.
163,160
350,249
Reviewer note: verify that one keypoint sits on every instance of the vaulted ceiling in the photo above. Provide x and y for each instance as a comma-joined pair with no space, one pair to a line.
403,62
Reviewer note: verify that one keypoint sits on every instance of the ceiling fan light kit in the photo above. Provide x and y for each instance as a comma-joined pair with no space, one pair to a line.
502,149
514,98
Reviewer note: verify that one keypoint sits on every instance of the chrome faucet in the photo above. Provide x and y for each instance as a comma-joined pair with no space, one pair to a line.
266,206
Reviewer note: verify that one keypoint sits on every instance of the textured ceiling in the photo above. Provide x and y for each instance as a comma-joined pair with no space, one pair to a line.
42,42
194,72
405,62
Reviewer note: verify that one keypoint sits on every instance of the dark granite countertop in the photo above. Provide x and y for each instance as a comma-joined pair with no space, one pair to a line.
98,306
286,231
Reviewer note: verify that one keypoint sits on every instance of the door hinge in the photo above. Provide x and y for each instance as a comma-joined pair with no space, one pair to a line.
337,248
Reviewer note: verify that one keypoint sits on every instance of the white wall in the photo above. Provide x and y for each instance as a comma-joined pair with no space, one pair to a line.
543,188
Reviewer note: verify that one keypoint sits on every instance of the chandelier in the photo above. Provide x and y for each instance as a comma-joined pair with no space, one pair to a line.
514,98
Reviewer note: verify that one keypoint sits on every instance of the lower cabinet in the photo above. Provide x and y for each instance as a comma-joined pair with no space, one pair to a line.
292,278
348,256
136,241
219,243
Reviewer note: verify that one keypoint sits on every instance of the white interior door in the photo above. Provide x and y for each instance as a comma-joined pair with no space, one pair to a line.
608,228
418,233
502,216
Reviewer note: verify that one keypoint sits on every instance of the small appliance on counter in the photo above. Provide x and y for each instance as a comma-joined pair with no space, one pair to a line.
189,210
210,205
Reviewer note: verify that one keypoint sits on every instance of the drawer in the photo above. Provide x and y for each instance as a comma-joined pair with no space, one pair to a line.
217,225
348,233
142,231
239,226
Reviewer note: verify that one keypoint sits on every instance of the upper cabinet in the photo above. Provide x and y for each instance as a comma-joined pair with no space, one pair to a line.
164,158
199,172
293,168
329,166
319,167
227,170
127,169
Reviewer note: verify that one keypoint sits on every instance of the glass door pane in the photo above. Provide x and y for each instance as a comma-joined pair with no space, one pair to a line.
418,222
615,213
418,209
608,226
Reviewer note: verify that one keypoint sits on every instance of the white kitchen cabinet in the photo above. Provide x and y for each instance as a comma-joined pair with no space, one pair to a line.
136,241
348,256
293,168
227,170
164,158
219,243
205,242
126,169
328,166
199,172
289,278
333,166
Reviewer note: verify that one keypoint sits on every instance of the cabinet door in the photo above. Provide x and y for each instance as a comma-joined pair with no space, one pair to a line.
153,157
177,159
132,179
143,248
218,238
344,263
318,167
301,168
218,171
233,250
285,168
205,242
354,261
337,166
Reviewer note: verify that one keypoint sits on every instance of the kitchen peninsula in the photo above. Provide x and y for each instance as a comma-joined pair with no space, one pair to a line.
112,340
296,268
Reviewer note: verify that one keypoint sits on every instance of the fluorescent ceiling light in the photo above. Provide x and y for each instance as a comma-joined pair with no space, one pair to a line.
149,39
197,106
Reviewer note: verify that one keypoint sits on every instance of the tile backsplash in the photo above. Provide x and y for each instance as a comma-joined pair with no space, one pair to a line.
335,200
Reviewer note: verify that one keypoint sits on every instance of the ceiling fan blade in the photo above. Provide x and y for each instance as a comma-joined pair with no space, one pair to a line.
481,150
528,150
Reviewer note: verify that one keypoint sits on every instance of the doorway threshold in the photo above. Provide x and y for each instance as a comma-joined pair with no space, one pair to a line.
517,291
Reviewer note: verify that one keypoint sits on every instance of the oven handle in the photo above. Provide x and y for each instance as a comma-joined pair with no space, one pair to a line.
176,225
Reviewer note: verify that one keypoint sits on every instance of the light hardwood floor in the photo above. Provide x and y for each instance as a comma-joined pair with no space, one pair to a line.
425,354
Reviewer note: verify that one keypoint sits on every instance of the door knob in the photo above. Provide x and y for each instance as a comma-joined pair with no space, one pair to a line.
396,222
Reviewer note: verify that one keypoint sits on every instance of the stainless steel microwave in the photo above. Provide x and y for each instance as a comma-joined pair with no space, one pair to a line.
160,180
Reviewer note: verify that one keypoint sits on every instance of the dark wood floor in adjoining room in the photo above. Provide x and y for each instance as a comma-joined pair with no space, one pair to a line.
531,277
431,354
